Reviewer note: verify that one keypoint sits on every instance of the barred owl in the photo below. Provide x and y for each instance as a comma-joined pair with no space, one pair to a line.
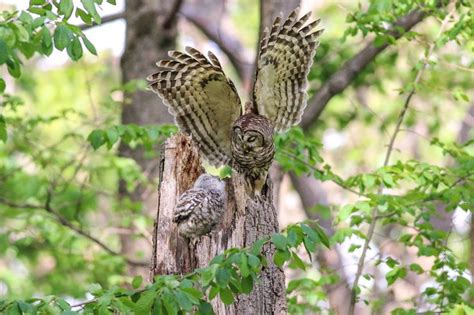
206,105
200,208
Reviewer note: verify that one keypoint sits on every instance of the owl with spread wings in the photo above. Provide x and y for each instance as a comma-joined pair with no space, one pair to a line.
206,105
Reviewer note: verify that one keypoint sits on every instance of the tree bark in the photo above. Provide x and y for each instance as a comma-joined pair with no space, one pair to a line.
243,222
146,42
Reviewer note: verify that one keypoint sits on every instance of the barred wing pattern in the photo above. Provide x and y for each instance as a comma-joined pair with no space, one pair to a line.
286,55
204,102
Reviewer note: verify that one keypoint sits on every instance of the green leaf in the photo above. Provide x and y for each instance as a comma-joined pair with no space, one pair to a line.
61,36
416,268
3,52
21,32
205,309
253,261
95,289
7,35
257,246
345,212
145,303
217,259
90,47
280,257
309,245
213,293
25,17
297,262
2,86
96,138
74,49
388,180
13,68
112,2
85,17
89,5
226,295
46,41
169,302
66,7
368,180
194,294
322,235
244,267
222,277
112,136
279,241
137,281
63,304
310,232
247,284
183,301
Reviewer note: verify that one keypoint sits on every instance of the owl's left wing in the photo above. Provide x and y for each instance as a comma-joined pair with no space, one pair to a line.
203,100
285,57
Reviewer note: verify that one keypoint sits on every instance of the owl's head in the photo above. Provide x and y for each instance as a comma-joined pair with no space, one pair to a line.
252,133
208,182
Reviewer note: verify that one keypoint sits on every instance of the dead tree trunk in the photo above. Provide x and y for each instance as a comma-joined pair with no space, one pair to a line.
244,222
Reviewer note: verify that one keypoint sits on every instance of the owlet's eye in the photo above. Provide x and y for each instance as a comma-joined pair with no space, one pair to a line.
251,139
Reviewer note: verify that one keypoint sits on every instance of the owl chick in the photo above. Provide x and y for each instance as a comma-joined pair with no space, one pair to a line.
200,208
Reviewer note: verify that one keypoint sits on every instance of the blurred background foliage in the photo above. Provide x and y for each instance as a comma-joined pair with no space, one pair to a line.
61,217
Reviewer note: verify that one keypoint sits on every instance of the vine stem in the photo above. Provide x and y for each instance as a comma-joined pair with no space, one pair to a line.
401,116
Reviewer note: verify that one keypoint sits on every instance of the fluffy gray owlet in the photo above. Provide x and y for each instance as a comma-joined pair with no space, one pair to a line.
206,105
200,208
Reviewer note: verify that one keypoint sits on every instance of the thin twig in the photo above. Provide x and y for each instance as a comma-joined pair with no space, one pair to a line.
63,221
374,214
295,157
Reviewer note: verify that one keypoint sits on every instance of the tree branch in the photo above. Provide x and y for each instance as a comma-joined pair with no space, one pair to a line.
105,19
341,79
172,14
229,45
63,221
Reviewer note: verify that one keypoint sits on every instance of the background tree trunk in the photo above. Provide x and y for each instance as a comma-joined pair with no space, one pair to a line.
244,222
147,41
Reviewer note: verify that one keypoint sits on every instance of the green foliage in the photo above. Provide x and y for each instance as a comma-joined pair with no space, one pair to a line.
25,33
147,136
233,272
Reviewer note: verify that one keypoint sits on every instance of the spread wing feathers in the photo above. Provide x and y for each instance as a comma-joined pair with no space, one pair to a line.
286,55
188,202
204,102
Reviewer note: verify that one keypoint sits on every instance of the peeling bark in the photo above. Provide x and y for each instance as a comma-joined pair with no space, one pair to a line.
243,222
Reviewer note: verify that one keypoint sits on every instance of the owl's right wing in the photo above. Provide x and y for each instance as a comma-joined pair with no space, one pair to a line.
187,203
203,100
285,57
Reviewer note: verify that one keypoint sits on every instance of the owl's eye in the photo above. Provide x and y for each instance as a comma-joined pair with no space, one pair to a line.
251,139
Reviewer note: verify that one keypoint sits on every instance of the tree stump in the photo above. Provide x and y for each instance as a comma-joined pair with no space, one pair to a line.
243,222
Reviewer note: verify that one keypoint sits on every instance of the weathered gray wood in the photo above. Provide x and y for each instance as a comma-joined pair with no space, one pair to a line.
244,221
